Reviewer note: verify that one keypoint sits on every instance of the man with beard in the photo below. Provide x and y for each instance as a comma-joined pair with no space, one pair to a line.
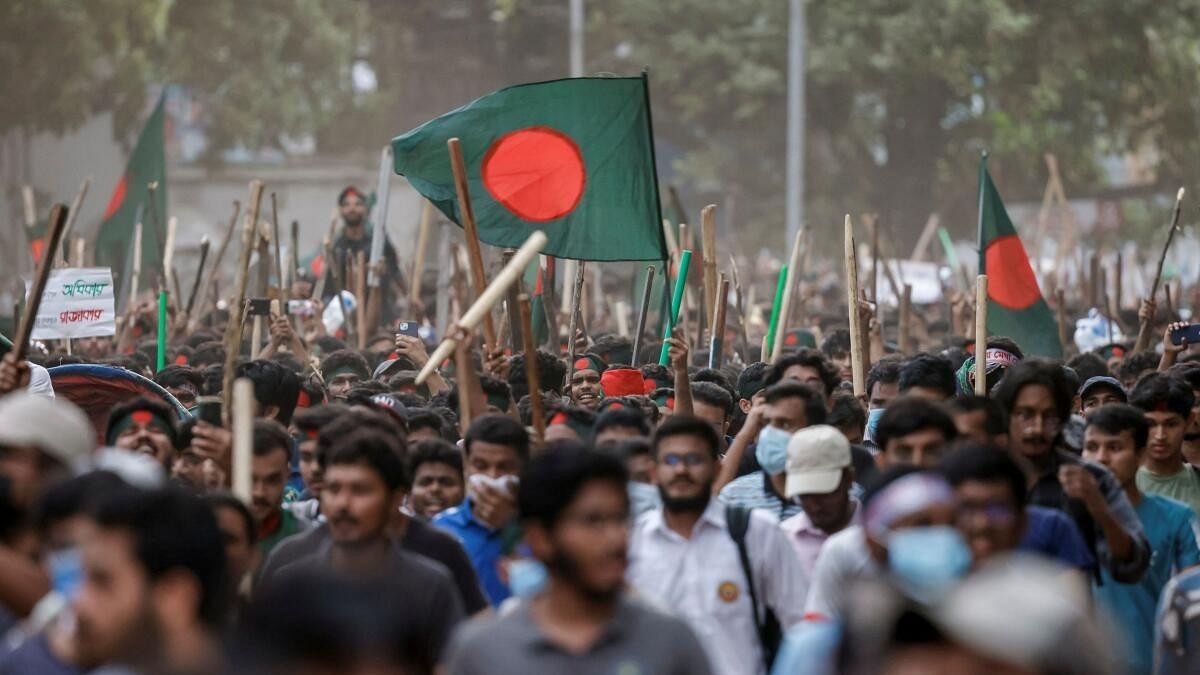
155,587
364,480
268,478
144,425
93,349
585,381
575,515
1037,398
1167,403
684,556
356,238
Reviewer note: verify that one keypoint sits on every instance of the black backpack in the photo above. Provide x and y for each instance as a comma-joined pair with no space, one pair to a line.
770,633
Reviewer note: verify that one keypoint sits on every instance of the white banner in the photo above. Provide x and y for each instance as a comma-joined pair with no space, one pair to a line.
77,302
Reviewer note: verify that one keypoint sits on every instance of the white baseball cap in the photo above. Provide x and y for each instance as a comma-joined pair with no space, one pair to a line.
54,426
817,455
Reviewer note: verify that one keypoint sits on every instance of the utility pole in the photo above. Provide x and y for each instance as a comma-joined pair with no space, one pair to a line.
794,202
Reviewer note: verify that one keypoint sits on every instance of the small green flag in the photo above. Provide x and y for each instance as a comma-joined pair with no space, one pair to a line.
572,157
1016,308
146,165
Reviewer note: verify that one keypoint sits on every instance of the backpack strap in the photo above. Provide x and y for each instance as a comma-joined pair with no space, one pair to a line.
737,519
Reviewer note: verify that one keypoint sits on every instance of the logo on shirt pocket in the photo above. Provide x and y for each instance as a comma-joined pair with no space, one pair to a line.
728,591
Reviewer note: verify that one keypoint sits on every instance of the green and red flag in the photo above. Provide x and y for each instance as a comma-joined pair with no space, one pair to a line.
146,165
573,158
1016,308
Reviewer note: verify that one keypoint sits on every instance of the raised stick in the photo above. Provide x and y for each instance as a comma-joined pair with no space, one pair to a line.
327,263
716,339
414,288
856,347
905,318
708,251
360,287
467,214
981,304
168,259
243,436
1060,315
215,270
136,278
573,321
685,262
233,331
486,300
276,242
644,308
204,245
531,372
1143,339
785,308
74,212
58,218
773,324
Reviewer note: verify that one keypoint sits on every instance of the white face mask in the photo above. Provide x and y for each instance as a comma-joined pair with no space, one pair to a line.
506,483
771,450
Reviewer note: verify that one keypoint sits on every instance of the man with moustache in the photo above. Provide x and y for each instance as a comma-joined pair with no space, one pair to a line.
144,425
356,238
575,514
684,558
268,479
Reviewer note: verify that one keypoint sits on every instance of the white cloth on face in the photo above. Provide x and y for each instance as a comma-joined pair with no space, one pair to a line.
700,579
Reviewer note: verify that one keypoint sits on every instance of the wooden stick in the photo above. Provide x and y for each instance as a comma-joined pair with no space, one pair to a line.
1143,338
379,216
74,212
168,259
276,242
261,287
922,248
467,214
856,346
414,288
30,206
905,318
640,330
233,331
517,340
1060,313
716,339
215,270
80,251
360,285
58,218
672,241
741,310
708,243
1118,282
981,334
328,265
788,290
204,245
572,322
486,300
136,278
537,415
243,436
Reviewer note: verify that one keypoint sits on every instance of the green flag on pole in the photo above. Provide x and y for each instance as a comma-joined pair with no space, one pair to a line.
1016,308
147,164
571,157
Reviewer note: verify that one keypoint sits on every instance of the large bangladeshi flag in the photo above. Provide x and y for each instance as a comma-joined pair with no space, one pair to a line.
130,201
573,158
1016,308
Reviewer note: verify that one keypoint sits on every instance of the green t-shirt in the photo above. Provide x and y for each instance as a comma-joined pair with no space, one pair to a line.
1183,486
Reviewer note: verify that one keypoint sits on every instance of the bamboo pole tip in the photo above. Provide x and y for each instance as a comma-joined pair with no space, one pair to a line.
1179,195
708,210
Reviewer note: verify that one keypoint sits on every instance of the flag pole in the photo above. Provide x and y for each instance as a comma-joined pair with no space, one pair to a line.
467,214
857,368
161,352
58,217
769,341
981,312
785,309
685,262
641,320
537,416
204,246
233,331
414,288
1143,339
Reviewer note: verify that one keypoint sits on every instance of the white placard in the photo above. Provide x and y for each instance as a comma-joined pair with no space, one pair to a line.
923,276
77,302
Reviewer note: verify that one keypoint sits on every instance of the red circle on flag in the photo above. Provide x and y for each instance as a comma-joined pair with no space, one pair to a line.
536,172
1010,278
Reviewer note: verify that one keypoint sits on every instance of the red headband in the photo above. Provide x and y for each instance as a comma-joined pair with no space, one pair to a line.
622,382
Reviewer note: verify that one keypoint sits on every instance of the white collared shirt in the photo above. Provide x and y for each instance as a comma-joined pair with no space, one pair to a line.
701,580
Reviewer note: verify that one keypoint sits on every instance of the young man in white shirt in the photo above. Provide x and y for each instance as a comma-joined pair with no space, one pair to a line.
684,558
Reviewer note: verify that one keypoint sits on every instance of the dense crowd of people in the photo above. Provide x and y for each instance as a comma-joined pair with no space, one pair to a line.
744,519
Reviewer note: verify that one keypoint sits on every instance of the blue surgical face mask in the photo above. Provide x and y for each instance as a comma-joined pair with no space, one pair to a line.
66,571
526,577
771,451
926,561
873,422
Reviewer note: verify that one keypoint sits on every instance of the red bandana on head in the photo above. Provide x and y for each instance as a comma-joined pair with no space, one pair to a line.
141,416
622,382
181,360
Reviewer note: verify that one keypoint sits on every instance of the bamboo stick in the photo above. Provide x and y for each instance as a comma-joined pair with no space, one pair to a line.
57,223
981,334
856,346
233,331
467,214
537,415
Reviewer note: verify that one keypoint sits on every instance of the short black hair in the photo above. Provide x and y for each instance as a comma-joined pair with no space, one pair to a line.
345,358
687,425
885,371
273,385
836,342
270,436
847,412
1188,372
498,429
354,420
360,393
551,373
172,530
627,418
434,451
72,496
711,393
328,344
972,462
226,500
427,418
553,480
382,453
996,421
631,447
716,377
659,373
176,375
909,414
814,404
1117,417
809,358
752,379
1137,364
208,353
1163,390
1036,371
1089,365
929,372
614,348
316,417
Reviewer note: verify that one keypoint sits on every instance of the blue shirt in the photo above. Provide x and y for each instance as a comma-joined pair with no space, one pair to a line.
1177,630
484,545
1053,534
1168,525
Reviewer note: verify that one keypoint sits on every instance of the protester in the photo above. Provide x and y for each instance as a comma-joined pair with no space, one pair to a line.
620,424
980,419
820,474
684,556
1167,402
438,483
1098,391
146,426
343,369
268,482
585,381
928,377
913,431
809,367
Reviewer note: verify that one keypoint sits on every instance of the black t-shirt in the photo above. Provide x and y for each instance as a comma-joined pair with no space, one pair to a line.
419,537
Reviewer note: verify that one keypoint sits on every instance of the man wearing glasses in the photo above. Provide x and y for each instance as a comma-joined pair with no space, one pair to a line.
1037,398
